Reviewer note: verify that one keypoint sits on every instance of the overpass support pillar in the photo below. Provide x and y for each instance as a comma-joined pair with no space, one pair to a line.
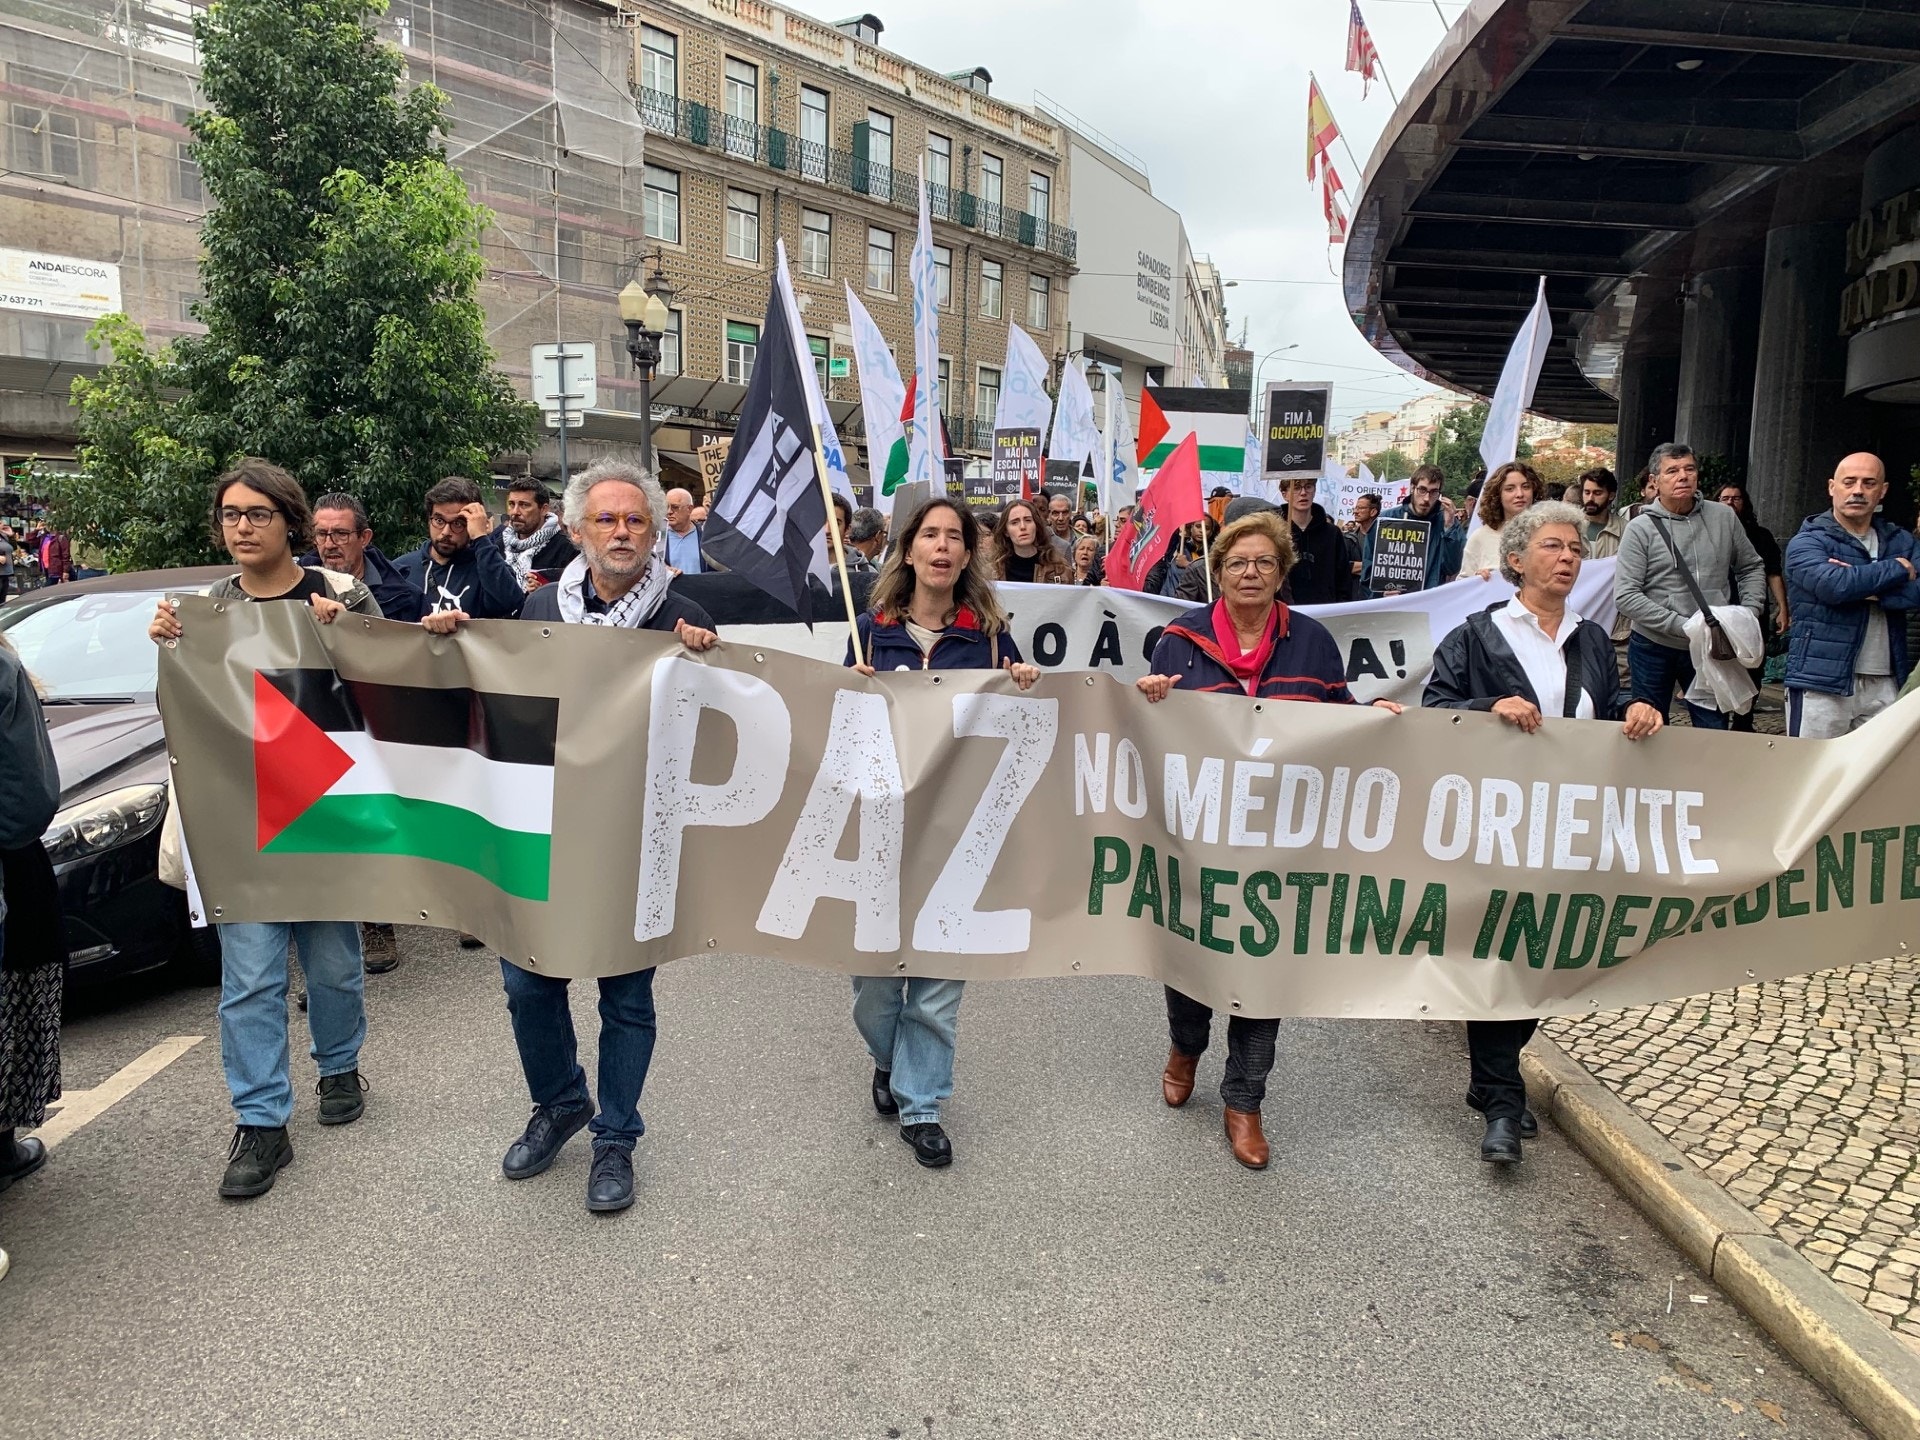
1800,410
1718,343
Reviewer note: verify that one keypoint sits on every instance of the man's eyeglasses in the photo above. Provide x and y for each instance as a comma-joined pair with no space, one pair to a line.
443,522
1259,564
325,536
605,521
258,516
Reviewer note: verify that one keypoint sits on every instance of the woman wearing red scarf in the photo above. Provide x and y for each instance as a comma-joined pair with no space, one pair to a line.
1246,642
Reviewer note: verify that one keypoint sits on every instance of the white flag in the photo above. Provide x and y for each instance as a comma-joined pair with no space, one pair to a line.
1122,472
1500,441
924,448
882,396
1333,475
1074,433
1024,402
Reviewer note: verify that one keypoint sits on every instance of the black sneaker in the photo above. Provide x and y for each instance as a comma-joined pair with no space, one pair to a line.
257,1155
470,942
546,1132
883,1100
931,1147
379,952
300,996
340,1102
610,1186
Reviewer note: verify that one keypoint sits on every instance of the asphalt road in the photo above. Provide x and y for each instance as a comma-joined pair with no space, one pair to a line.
1092,1265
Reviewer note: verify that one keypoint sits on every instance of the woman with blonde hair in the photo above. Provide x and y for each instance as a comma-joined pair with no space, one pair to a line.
1508,491
1023,549
1248,642
933,608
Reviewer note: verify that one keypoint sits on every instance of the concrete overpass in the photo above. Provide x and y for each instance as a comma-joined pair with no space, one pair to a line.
1723,196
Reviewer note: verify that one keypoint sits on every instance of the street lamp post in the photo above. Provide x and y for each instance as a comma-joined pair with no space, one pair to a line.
645,314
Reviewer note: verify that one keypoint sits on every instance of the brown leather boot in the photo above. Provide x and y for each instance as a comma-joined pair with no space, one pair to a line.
1244,1135
1176,1082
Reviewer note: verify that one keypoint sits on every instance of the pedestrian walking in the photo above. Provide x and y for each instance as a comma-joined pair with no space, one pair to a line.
1248,642
1524,660
260,516
1023,550
1508,491
933,608
1446,539
33,947
460,567
620,580
1850,579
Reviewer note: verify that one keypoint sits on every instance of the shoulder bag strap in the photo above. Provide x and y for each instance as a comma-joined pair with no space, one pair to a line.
1686,573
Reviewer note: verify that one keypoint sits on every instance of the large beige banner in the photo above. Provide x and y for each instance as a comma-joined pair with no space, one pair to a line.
592,801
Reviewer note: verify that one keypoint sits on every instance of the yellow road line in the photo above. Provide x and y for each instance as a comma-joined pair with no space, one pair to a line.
78,1107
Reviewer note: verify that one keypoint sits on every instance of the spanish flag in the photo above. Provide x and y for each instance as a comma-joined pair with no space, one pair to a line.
1321,131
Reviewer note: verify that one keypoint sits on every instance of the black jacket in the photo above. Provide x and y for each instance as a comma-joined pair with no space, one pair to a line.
544,604
1474,668
398,600
1322,571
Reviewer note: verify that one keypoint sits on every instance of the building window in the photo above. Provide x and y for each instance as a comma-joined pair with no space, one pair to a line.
816,244
187,185
1040,196
743,344
816,132
946,381
940,175
669,345
986,394
1039,291
880,155
743,225
992,282
659,78
992,178
742,108
661,208
571,255
185,301
880,260
817,347
43,141
943,277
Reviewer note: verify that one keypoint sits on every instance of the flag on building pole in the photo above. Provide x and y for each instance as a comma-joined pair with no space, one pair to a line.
923,436
1361,54
882,398
1500,441
1330,191
1075,435
1321,131
1024,402
1153,425
1169,502
772,505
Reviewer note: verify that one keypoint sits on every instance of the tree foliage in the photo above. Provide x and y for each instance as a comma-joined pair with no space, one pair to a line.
341,267
1455,447
1391,464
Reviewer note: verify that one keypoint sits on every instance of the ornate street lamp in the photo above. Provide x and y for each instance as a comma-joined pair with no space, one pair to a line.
646,316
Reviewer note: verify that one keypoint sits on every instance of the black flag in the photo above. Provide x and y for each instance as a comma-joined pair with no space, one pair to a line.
770,514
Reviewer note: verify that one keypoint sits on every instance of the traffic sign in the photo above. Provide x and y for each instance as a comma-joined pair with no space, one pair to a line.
572,419
565,376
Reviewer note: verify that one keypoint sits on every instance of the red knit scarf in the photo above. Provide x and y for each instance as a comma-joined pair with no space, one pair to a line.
1247,666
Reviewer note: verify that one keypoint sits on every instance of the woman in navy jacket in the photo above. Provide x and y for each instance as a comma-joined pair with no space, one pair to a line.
1248,642
933,608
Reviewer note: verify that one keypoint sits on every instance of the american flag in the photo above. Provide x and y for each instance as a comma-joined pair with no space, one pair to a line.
1361,54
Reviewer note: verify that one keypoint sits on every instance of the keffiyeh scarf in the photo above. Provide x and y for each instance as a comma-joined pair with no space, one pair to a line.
520,552
629,612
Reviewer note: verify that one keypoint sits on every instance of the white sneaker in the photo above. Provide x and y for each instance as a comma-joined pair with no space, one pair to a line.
4,1263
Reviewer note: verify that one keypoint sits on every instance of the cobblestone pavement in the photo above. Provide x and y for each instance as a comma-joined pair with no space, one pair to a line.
1802,1097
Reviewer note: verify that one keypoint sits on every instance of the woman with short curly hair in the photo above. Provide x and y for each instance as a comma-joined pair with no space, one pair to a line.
1508,491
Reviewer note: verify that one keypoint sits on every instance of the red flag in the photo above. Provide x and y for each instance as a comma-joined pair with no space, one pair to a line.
1330,190
1361,54
1171,501
1153,425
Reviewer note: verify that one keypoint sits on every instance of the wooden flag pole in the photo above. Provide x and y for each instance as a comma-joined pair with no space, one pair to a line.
833,539
1206,554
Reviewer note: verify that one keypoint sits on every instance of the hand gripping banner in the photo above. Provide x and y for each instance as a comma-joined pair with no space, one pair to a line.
592,801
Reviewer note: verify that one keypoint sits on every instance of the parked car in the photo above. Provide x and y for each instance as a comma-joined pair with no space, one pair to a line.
86,646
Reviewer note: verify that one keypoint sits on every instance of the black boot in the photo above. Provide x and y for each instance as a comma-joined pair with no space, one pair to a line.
1501,1144
883,1100
19,1158
257,1155
1529,1127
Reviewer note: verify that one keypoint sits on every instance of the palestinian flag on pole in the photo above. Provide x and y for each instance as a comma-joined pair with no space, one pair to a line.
896,475
1218,420
461,777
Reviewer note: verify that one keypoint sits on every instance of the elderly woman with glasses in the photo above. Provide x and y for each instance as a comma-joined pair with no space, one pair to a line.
1248,642
1528,659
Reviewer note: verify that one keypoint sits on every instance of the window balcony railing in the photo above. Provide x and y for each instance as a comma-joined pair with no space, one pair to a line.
706,127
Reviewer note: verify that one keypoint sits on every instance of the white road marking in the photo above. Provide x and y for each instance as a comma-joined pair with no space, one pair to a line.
78,1107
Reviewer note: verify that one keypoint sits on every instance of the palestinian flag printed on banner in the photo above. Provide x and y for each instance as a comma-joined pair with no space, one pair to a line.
462,777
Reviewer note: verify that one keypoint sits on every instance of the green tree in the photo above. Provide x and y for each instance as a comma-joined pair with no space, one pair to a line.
1455,446
345,339
1390,464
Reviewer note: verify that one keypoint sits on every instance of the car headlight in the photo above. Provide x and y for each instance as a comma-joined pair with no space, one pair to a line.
104,822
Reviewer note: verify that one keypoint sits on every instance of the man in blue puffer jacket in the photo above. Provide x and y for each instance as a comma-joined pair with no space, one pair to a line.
1846,571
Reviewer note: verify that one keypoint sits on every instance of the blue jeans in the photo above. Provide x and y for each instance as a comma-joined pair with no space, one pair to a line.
909,1025
549,1054
253,1009
1656,670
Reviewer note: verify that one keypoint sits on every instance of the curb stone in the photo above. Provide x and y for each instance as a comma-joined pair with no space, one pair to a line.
1857,1359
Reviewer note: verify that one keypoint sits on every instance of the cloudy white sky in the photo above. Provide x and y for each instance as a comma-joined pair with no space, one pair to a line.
1211,94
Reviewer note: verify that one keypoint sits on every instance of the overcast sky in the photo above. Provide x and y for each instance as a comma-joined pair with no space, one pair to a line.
1212,95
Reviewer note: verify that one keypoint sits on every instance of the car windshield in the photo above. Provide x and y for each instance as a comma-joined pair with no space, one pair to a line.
92,646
